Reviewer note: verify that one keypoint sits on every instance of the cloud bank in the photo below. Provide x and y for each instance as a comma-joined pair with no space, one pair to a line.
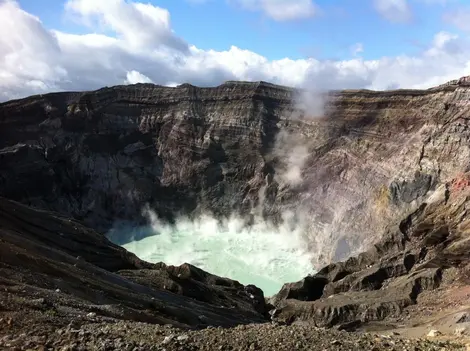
398,11
281,10
128,42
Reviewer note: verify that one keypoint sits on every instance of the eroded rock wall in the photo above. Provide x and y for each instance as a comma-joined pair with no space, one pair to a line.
101,156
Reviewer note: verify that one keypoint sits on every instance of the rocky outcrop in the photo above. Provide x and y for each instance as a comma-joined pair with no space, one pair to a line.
240,147
412,257
64,270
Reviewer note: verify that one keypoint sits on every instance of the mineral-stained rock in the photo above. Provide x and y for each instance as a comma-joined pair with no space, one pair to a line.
240,147
381,283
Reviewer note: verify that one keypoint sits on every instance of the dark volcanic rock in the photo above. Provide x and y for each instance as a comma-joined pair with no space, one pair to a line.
102,155
193,282
240,147
48,262
408,191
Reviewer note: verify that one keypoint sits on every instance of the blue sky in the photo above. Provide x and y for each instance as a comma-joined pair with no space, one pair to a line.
332,34
317,44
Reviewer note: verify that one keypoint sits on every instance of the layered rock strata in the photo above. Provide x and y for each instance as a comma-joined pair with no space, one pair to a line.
246,148
428,249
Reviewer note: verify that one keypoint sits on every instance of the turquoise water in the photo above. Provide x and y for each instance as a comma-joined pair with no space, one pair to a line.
263,255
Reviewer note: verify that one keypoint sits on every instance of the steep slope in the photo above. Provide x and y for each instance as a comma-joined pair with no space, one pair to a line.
54,270
240,147
427,250
102,155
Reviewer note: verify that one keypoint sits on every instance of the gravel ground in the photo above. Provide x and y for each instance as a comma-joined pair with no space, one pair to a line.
141,336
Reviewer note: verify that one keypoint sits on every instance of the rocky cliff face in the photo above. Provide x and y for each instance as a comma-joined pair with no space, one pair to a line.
241,147
100,156
427,250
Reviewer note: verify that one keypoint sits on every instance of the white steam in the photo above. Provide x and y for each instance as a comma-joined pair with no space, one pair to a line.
261,253
292,148
252,250
292,154
311,102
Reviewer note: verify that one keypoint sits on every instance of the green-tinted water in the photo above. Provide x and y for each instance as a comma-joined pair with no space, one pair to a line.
261,255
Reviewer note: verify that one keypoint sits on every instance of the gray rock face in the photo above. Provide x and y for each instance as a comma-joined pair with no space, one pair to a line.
102,155
380,284
240,147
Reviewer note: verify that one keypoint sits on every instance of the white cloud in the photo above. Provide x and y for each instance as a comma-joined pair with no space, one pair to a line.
198,2
140,25
28,54
281,10
134,77
400,11
36,60
436,2
396,11
459,17
357,48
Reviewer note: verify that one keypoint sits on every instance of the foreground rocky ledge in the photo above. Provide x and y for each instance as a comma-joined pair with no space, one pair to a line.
55,269
64,286
96,335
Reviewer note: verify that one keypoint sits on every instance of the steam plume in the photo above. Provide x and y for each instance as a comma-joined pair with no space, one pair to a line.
280,249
